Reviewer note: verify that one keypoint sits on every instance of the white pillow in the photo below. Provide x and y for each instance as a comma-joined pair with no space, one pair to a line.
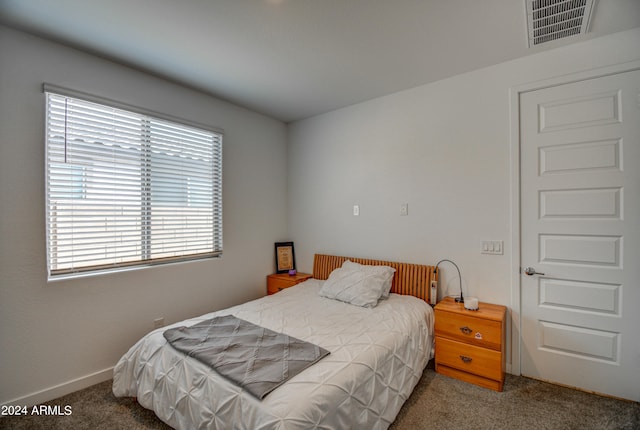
385,272
358,284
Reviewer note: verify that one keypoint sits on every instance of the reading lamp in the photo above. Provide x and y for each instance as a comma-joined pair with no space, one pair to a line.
458,299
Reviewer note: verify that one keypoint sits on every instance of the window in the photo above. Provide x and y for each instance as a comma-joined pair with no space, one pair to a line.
127,188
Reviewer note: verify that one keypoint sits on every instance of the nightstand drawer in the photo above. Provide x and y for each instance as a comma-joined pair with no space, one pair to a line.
468,328
279,282
469,358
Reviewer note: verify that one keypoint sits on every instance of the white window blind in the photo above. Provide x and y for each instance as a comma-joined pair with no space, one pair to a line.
126,188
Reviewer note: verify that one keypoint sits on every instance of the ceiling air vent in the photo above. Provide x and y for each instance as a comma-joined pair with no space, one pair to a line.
556,19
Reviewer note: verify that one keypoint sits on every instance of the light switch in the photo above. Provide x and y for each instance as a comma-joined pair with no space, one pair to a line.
495,247
356,210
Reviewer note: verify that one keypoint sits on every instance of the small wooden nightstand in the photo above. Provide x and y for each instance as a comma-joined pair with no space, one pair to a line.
470,345
280,281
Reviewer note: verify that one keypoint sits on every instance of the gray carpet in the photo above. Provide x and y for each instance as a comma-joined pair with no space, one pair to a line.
438,402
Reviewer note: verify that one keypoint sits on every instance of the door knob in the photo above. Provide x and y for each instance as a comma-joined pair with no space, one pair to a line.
530,271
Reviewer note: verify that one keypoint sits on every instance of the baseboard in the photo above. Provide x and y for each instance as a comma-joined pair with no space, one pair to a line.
69,387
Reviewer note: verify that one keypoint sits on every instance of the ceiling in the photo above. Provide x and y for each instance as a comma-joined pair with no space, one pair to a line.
292,59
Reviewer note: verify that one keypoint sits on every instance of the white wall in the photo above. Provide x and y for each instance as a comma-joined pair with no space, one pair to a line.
60,336
443,148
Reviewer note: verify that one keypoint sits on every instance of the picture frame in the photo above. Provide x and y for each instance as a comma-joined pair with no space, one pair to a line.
285,257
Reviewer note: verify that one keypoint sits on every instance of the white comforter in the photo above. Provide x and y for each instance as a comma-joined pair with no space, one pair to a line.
377,357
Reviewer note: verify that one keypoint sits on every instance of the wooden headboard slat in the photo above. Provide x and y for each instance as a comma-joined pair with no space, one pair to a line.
409,279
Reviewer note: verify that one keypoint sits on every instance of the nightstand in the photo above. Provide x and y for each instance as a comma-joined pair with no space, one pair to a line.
280,281
470,345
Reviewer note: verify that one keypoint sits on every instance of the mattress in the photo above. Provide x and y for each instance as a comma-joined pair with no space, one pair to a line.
377,355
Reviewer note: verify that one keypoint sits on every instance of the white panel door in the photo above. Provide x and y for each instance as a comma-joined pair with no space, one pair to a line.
580,234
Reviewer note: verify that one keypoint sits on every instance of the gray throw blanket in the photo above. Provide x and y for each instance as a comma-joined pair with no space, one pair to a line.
253,357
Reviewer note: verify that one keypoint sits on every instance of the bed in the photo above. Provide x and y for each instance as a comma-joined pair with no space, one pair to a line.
376,357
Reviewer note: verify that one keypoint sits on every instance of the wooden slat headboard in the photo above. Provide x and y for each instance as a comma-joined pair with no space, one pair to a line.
409,279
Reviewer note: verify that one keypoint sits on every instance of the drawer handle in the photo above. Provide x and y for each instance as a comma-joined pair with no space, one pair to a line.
465,330
466,359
